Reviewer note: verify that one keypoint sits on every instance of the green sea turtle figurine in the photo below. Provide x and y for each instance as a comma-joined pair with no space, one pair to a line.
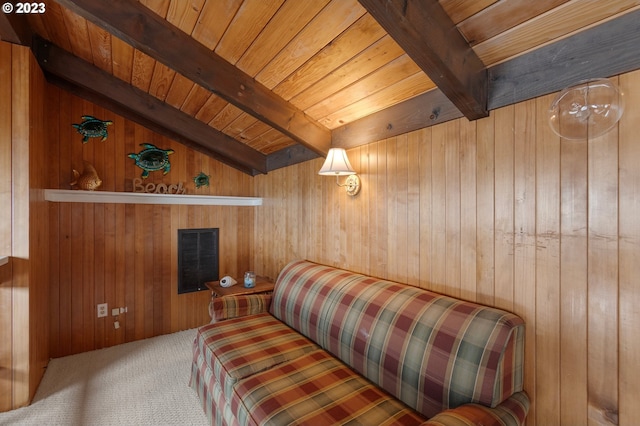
152,158
92,127
201,180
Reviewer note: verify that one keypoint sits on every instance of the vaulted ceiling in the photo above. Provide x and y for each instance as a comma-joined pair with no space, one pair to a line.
263,84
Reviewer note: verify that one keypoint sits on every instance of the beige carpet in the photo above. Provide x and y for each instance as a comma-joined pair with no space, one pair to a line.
138,383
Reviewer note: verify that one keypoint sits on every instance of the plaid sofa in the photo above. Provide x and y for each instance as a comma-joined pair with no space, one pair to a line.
331,346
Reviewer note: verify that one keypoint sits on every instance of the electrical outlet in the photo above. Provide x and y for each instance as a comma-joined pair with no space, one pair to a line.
102,310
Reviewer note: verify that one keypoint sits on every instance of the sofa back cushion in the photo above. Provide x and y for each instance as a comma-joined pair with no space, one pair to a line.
431,351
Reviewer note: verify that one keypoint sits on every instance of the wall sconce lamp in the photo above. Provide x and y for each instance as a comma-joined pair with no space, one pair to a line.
337,163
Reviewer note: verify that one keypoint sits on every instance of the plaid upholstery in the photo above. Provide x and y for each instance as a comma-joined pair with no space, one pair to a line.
431,351
306,292
208,389
396,349
222,308
239,347
511,411
317,389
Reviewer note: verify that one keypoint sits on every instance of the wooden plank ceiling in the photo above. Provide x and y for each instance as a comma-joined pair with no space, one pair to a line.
262,84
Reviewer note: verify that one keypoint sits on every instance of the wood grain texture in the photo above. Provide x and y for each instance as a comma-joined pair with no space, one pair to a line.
125,255
167,44
24,329
573,276
6,273
560,64
507,214
554,25
91,83
333,62
570,269
429,36
629,254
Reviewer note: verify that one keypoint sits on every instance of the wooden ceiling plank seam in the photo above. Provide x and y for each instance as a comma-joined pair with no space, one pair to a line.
122,58
145,30
273,142
459,10
142,70
390,74
161,81
557,23
211,108
78,35
334,19
195,100
378,55
56,26
235,128
267,139
229,113
184,14
365,31
222,13
179,90
101,46
253,131
260,138
84,75
288,21
396,93
249,21
502,16
425,31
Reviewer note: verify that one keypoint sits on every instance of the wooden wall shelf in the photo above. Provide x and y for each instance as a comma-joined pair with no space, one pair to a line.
78,196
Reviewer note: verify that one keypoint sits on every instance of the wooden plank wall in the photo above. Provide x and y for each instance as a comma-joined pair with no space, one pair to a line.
123,254
500,211
24,351
6,311
37,162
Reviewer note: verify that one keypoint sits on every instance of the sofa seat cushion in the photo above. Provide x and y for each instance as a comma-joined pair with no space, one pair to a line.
239,347
316,389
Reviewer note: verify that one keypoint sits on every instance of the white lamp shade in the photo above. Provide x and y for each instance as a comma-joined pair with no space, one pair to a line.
337,163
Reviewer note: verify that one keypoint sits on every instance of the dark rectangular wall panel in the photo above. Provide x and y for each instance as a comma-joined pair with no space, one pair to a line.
197,258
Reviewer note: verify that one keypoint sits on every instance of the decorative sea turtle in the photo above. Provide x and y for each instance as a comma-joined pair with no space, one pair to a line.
201,180
152,158
92,127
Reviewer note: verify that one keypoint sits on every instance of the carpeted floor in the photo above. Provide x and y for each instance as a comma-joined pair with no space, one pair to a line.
138,383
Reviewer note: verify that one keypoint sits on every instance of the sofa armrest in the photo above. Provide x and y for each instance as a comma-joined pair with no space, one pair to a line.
222,308
510,412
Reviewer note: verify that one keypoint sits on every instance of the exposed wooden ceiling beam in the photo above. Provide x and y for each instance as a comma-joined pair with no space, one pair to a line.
425,110
139,106
425,31
608,49
15,29
289,156
134,23
602,51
